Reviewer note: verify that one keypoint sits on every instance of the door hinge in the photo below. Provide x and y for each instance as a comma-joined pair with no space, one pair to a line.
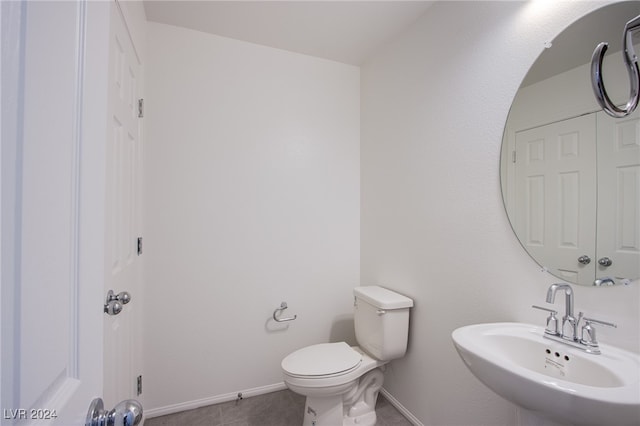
139,385
139,246
140,108
513,156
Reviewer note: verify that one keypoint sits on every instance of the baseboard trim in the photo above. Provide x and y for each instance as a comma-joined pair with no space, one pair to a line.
190,405
413,419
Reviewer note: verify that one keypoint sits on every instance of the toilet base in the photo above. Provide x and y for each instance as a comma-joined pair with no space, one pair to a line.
368,419
355,407
323,411
330,412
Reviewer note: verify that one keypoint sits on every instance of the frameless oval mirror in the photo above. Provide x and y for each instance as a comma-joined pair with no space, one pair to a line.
570,174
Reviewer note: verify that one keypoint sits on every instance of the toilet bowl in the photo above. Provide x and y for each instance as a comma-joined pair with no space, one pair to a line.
342,382
328,374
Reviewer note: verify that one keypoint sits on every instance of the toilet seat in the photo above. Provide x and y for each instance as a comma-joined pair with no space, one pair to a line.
322,361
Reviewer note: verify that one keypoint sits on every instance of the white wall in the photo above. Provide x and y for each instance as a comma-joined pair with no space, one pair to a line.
252,198
434,104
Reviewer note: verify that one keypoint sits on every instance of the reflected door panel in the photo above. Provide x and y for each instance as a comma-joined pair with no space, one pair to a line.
619,195
555,202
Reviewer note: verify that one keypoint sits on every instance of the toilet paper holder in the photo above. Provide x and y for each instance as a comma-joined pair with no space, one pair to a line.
279,310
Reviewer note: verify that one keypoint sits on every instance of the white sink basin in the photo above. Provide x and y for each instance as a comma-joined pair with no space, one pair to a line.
555,380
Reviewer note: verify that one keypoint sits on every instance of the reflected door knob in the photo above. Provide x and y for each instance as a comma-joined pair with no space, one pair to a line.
605,261
604,281
585,260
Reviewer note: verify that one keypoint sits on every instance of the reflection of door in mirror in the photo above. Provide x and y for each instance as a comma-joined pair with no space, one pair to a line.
618,232
555,201
574,219
555,214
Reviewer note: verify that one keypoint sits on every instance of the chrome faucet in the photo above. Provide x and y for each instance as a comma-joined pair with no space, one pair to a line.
569,322
569,333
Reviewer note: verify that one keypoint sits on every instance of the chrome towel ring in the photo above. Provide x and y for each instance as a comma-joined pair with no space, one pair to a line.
279,310
631,62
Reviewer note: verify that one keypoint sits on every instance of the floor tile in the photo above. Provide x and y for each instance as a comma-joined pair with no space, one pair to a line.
282,408
388,415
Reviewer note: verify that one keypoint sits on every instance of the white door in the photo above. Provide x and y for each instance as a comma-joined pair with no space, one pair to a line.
123,272
618,231
53,133
555,202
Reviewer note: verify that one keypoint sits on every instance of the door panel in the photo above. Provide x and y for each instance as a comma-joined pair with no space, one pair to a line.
619,195
555,202
123,194
52,238
49,166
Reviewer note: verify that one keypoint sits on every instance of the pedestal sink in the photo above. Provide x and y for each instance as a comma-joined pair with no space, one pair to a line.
557,381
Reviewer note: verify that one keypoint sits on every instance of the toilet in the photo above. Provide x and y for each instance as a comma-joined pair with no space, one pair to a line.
341,382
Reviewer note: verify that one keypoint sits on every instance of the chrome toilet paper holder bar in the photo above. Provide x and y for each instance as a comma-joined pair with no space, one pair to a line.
279,310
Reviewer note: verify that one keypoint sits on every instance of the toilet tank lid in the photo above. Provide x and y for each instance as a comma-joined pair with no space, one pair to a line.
382,298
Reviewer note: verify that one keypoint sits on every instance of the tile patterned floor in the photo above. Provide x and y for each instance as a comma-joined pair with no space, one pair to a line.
282,408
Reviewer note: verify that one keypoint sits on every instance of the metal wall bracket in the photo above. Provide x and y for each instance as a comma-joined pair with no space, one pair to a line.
140,108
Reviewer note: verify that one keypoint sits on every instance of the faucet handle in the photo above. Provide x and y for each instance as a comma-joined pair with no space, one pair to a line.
595,321
552,321
588,337
542,308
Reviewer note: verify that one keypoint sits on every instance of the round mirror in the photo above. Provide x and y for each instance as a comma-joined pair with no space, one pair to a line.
570,174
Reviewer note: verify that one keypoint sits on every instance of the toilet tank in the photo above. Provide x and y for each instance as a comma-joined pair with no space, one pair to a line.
381,320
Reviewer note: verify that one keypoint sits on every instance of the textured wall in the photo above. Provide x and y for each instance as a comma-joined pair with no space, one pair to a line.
252,198
434,104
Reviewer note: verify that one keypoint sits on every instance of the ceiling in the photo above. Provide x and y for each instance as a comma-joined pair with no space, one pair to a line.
343,31
349,31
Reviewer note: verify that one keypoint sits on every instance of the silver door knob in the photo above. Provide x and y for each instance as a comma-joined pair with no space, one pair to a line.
605,261
585,260
126,413
113,308
114,302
